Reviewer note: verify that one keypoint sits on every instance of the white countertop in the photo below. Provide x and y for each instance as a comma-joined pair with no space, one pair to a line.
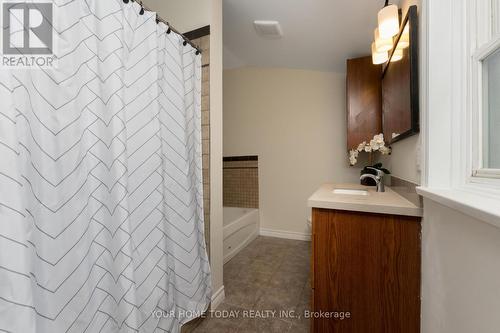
388,202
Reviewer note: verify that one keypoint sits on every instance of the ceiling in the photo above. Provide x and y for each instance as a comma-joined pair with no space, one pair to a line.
318,34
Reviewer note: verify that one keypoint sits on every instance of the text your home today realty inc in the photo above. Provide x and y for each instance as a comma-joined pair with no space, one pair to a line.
253,314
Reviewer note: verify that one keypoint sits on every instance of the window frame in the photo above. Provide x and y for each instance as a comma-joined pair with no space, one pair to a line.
453,32
478,174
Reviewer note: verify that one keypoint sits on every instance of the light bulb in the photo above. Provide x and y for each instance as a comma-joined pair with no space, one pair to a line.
404,40
397,55
382,44
388,21
378,57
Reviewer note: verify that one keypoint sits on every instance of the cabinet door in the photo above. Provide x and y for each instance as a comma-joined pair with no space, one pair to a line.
367,265
364,100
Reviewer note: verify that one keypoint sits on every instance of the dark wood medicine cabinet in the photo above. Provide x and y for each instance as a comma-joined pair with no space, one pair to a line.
384,98
364,100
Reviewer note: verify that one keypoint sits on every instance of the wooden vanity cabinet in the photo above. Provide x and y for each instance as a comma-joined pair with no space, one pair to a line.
368,265
364,100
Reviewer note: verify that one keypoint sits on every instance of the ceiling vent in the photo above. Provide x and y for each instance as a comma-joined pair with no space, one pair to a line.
268,29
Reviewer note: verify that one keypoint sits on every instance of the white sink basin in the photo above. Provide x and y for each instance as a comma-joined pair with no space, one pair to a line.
349,192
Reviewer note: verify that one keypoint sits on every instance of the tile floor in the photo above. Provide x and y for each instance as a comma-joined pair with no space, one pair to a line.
269,274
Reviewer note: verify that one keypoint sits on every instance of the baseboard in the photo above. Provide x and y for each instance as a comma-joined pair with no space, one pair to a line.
285,234
217,298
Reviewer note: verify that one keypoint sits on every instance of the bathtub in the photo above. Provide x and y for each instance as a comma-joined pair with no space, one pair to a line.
241,226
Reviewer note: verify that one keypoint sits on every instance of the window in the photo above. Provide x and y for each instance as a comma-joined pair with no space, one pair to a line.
491,112
485,40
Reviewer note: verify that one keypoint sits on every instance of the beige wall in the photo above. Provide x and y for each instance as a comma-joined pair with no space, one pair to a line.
407,3
405,158
295,121
461,273
184,15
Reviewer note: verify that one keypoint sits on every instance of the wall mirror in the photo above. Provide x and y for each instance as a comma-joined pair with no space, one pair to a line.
400,96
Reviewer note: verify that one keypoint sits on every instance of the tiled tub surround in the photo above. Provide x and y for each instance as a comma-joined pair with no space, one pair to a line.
241,181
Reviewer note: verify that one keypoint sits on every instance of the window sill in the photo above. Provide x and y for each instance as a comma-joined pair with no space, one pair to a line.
469,202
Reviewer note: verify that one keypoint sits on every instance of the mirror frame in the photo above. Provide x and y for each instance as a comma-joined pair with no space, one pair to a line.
412,19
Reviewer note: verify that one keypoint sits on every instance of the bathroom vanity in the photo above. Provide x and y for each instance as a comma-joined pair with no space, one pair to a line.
365,261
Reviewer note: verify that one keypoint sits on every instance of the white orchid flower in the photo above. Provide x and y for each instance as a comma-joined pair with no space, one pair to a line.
353,157
379,139
385,150
374,145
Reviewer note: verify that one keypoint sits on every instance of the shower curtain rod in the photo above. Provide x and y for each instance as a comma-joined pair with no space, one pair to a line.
170,28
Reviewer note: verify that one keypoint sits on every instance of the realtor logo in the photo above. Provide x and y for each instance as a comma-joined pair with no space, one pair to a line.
27,34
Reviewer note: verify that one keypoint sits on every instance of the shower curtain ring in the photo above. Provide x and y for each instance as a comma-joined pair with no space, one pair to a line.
142,10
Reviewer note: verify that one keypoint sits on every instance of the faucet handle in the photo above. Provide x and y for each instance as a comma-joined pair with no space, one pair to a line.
380,173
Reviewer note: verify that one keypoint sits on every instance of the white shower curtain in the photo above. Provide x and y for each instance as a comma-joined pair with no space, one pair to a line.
101,221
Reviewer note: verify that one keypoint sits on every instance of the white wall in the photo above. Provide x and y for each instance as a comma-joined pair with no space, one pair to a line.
295,121
405,159
184,15
216,224
461,273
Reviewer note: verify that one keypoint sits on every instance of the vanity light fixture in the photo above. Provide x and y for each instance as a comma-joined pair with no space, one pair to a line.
397,55
404,40
388,20
382,44
378,57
